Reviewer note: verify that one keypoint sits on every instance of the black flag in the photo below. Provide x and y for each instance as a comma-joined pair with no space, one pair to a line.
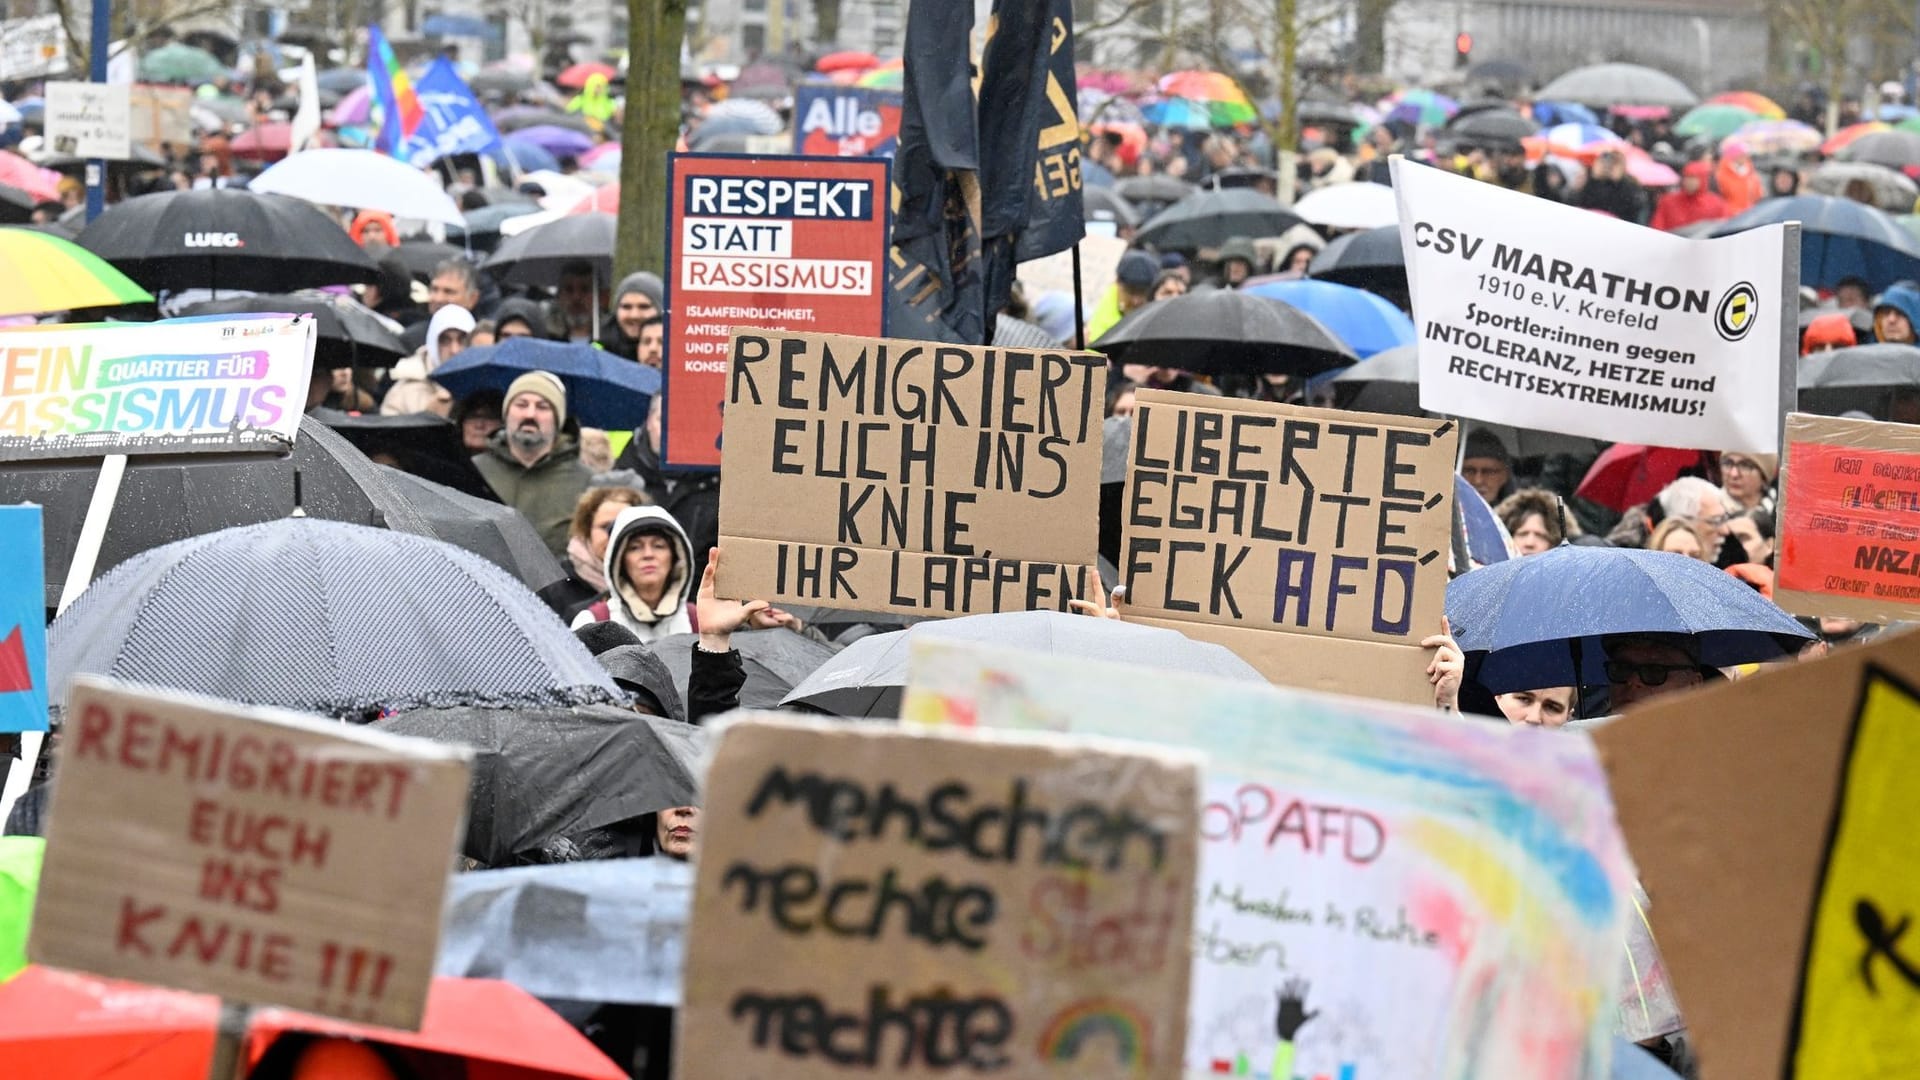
1014,73
1059,216
934,271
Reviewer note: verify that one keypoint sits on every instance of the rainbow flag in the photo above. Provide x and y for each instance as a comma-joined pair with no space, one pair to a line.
400,108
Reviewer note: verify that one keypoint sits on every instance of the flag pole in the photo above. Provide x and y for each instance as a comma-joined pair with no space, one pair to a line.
1079,303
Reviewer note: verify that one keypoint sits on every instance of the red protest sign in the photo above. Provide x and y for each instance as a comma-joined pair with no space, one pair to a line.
781,243
1849,522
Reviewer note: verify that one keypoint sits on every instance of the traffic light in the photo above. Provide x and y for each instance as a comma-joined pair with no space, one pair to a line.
1462,48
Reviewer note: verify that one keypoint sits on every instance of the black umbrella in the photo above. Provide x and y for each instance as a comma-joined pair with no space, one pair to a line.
535,257
1106,204
499,534
224,238
16,206
1491,127
541,774
1866,377
1220,331
423,444
1371,259
423,257
1506,72
163,499
1207,219
776,661
1159,188
1895,149
1242,177
482,229
349,333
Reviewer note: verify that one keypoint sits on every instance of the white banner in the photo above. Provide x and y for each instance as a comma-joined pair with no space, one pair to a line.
90,120
223,383
1547,317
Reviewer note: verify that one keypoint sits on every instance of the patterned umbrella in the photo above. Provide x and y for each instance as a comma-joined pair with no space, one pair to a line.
1420,108
40,273
1758,104
1763,137
1582,141
888,76
1848,135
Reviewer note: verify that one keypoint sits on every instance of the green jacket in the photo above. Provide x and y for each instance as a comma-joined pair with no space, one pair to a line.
544,494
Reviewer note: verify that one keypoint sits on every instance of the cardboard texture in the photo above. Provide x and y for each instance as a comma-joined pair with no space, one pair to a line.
1746,804
253,853
880,901
1849,520
1384,891
1270,524
876,475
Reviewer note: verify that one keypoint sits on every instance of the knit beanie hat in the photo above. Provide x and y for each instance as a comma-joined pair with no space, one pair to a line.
548,386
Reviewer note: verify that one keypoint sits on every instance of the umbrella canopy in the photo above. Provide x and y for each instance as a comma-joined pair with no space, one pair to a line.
536,257
1533,616
776,661
1838,238
1581,141
846,60
421,257
483,225
1486,537
1362,320
1371,260
497,533
502,78
554,139
1356,204
1159,188
518,117
472,26
1850,134
760,117
181,63
40,272
1420,108
1503,71
16,206
1388,382
576,76
603,390
1491,127
1714,122
542,774
222,237
1865,377
1767,138
1894,149
18,172
1207,219
1619,84
1892,191
1756,103
1628,474
361,179
423,444
324,617
1106,204
762,81
1218,331
267,141
867,677
349,333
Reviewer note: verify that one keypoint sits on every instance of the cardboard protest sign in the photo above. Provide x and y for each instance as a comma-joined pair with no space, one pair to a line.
875,475
90,120
23,621
1311,542
872,899
223,383
1559,319
780,243
1849,520
160,115
1772,821
1383,892
845,121
253,853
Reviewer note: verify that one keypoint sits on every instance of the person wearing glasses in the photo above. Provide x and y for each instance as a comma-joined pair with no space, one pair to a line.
1748,479
1641,667
1701,505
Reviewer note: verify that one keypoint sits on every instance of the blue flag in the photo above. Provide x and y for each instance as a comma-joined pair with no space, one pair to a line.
454,122
23,621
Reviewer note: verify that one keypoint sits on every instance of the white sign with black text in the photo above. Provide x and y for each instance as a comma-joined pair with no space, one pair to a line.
90,120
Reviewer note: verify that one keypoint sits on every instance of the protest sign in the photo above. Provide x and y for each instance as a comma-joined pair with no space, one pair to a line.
90,120
878,901
218,383
1772,822
1849,521
33,47
876,475
23,621
845,121
1383,892
159,115
778,243
1559,319
1311,542
258,854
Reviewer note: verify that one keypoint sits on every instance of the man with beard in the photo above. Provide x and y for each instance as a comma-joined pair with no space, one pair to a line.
533,461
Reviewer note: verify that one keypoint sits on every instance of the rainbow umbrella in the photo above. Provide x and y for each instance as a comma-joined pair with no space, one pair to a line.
1420,108
1759,105
40,272
1581,141
1714,121
1844,138
1764,137
888,76
1203,86
1180,113
1911,123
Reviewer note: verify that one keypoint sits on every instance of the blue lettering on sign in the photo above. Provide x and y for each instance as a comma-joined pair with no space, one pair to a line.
778,197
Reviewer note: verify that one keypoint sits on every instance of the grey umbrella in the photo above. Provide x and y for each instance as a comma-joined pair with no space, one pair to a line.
866,679
1619,84
1865,377
539,774
497,533
776,661
1891,189
324,617
1221,331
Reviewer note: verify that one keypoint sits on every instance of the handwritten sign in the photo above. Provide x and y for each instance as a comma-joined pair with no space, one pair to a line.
1787,935
1311,542
253,853
878,901
90,120
789,243
878,475
1849,524
229,383
1382,891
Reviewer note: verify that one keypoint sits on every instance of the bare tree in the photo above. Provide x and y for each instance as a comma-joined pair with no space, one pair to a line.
1830,28
133,23
649,131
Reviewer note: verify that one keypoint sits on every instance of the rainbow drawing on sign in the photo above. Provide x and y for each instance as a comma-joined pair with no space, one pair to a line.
1068,1032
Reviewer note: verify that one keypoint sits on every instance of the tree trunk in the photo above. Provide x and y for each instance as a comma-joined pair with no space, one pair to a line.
649,130
1286,61
1370,36
826,23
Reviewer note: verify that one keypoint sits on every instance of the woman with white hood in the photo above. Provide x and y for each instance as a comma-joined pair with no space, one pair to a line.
649,571
414,391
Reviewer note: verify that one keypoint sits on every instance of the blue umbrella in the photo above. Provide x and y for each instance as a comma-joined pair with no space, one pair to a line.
1537,618
525,156
552,138
1179,113
1367,323
1549,113
1838,238
1486,539
603,390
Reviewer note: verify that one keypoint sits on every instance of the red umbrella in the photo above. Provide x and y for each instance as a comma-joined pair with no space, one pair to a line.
847,61
18,172
604,200
264,142
1627,474
576,76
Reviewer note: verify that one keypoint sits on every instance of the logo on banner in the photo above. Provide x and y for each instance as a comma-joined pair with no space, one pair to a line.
1738,310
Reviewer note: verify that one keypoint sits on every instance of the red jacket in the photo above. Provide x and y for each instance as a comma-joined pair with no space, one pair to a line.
1677,208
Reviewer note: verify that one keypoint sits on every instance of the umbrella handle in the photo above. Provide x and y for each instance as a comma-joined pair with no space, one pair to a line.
228,1062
